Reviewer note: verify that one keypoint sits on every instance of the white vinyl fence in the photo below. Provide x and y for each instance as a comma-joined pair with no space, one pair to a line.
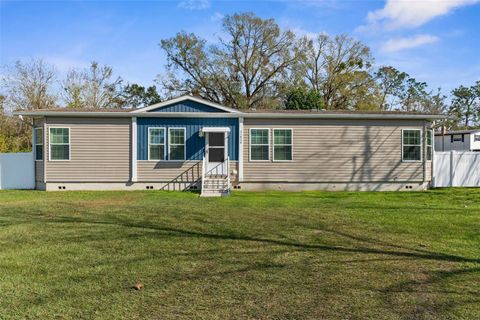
456,169
17,171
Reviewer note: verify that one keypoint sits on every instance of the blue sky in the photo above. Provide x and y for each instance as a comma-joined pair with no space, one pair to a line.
437,41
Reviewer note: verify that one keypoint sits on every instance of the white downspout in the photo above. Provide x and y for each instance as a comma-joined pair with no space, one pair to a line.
46,144
134,150
240,149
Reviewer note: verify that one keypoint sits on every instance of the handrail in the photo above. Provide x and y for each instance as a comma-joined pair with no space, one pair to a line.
228,173
203,173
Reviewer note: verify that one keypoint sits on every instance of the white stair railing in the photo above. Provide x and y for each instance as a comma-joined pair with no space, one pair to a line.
228,173
203,173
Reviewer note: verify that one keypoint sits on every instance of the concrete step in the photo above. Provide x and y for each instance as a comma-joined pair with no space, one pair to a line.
214,193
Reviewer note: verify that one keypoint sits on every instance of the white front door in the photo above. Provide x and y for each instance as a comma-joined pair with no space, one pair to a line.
216,153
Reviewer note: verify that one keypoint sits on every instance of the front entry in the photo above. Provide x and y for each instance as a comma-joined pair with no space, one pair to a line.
216,153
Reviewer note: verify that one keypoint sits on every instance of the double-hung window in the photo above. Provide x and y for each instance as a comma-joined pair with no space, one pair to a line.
477,138
59,141
176,143
259,144
282,144
429,145
156,143
411,145
38,144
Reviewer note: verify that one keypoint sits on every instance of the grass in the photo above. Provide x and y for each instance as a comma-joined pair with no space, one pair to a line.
275,255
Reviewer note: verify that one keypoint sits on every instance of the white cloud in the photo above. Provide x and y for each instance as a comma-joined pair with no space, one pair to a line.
305,33
410,14
217,16
194,4
398,44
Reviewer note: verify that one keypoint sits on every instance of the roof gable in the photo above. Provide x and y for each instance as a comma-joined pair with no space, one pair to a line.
186,104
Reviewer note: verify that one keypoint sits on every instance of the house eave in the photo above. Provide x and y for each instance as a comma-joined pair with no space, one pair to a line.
359,116
344,116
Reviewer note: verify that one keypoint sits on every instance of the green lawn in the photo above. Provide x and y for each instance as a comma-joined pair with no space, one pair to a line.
75,255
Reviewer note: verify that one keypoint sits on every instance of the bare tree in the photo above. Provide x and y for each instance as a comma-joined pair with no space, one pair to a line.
29,86
94,88
244,70
73,86
347,64
313,65
338,70
391,83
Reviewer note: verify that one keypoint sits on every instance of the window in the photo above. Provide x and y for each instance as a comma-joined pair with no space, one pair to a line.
259,144
477,137
59,144
282,144
38,144
457,138
429,145
412,145
176,143
156,143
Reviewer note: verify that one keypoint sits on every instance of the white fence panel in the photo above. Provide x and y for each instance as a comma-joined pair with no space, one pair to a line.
17,171
457,169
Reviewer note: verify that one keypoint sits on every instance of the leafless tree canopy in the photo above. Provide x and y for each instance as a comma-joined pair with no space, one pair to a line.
243,70
95,88
29,86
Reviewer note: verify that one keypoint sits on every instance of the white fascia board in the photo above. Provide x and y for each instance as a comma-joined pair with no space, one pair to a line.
234,115
342,116
130,115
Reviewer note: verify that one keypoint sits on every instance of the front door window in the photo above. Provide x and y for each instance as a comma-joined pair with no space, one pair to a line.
216,147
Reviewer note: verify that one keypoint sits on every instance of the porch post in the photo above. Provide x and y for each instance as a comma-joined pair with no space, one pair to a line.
240,149
133,162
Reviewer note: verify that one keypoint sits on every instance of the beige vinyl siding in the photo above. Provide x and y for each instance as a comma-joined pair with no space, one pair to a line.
335,151
428,172
173,171
100,150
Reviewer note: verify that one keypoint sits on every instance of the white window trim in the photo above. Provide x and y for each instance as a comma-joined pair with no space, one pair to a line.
432,135
421,144
280,145
157,144
184,143
50,144
38,144
250,145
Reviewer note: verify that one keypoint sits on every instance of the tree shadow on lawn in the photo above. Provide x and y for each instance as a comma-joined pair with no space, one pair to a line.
421,289
394,251
177,232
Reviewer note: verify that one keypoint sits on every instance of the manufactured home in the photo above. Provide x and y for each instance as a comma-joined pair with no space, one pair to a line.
462,140
190,143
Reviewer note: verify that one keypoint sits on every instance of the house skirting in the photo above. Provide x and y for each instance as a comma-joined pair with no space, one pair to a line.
351,186
111,186
247,186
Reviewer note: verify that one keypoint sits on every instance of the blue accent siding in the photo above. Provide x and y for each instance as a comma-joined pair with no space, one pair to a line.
187,106
194,143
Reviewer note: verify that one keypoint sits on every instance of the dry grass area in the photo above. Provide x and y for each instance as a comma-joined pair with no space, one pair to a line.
274,255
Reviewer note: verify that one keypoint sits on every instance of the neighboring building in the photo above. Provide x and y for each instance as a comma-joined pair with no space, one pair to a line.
191,143
465,140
